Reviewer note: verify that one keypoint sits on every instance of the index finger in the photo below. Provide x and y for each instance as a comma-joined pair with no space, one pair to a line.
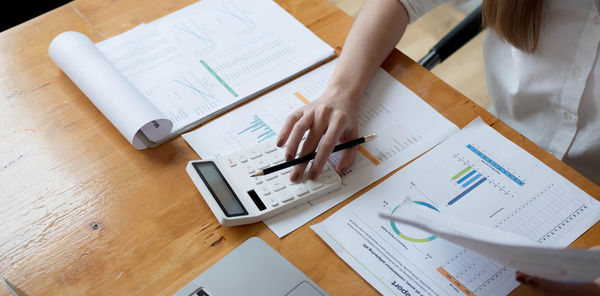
334,131
290,121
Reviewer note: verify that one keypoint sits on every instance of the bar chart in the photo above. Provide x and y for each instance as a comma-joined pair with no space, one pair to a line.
260,130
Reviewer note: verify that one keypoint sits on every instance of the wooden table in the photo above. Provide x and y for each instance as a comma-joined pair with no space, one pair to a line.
82,212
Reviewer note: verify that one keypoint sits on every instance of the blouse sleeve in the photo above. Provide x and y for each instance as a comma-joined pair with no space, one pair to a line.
417,8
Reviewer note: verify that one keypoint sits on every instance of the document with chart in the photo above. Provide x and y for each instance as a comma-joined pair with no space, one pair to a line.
476,175
188,66
405,125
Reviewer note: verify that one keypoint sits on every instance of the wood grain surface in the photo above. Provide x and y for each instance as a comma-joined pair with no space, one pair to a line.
84,213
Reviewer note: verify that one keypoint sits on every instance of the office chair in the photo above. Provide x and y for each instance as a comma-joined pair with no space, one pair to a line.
461,34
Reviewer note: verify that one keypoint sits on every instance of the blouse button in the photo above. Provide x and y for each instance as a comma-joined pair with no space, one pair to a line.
578,73
568,115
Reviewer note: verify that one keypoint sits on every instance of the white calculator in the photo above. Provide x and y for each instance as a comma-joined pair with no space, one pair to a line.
236,198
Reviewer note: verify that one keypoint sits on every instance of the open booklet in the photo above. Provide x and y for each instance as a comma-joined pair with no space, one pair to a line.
165,77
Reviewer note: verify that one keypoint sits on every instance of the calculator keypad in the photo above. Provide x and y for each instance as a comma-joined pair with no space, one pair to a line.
276,189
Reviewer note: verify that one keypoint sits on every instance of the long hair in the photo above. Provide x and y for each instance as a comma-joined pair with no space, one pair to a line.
516,21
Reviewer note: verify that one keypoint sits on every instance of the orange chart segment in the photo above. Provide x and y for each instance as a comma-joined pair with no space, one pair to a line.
362,150
301,98
454,281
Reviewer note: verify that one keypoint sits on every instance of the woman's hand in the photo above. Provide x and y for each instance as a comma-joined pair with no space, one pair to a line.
547,287
330,119
559,288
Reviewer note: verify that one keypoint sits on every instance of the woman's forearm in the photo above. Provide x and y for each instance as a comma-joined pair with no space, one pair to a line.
375,32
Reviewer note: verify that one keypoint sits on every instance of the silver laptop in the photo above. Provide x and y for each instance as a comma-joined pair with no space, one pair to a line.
253,268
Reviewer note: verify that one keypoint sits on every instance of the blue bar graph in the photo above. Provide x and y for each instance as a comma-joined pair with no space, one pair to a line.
471,180
495,165
261,128
458,197
466,176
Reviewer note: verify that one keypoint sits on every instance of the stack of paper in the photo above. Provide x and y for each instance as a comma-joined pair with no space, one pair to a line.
162,78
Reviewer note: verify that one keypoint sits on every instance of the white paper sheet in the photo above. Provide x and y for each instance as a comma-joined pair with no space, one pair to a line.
478,176
516,251
406,127
189,66
108,89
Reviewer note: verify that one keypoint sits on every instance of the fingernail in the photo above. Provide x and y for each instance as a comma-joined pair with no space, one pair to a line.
521,278
312,174
279,142
294,176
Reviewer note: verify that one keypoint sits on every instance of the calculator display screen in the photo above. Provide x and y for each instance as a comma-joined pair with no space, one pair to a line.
220,189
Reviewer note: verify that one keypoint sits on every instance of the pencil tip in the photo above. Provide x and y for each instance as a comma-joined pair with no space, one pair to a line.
257,174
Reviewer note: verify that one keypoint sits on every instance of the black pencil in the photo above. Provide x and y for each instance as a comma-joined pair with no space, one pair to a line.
311,156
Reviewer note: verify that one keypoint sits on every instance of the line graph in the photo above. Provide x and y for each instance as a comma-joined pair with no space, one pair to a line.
194,85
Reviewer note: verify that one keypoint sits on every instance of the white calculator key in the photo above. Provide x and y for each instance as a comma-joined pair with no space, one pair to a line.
242,157
327,177
254,153
261,163
285,171
270,176
249,169
257,180
314,185
272,201
276,184
287,180
268,147
285,196
299,189
264,190
231,161
275,158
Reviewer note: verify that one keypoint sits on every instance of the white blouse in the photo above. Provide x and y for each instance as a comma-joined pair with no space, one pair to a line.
551,96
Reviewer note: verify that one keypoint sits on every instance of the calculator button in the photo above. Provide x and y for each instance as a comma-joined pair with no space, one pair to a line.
264,190
285,196
285,171
276,185
249,169
328,177
275,158
271,176
268,147
272,201
242,158
287,180
230,161
257,180
299,189
254,153
261,163
314,185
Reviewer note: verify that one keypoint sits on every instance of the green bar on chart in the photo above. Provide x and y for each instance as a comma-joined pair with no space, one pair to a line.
461,173
218,78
